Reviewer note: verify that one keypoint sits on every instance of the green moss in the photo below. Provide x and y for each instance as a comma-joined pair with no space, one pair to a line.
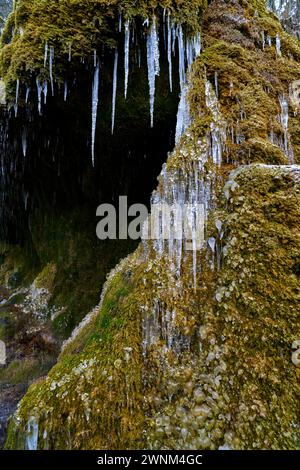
25,371
101,367
73,23
46,277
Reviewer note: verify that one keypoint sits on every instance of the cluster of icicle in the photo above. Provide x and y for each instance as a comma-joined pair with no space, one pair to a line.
188,50
174,40
267,41
187,196
283,141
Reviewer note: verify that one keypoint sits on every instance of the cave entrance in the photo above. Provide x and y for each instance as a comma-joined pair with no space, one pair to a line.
59,189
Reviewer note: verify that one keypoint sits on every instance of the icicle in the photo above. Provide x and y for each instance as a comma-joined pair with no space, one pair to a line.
216,85
126,55
17,97
45,91
170,50
39,94
183,115
212,245
95,94
27,94
153,65
115,79
181,50
51,58
284,120
278,45
46,54
65,90
24,142
216,126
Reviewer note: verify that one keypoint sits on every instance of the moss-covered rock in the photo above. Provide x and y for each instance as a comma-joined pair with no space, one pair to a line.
240,389
198,355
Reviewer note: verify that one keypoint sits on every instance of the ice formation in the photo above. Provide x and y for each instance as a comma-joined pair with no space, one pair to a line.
95,95
153,64
126,56
114,93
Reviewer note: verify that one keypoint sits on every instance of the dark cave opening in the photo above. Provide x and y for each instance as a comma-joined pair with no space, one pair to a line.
57,173
49,196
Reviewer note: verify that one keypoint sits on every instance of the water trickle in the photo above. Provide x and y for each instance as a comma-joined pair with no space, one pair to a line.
24,142
45,91
51,59
32,434
95,95
65,90
126,55
27,94
39,95
46,54
120,23
114,93
17,97
153,64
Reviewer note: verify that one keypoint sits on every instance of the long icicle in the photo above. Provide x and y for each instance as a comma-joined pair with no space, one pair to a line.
126,55
95,93
181,50
114,94
170,51
153,65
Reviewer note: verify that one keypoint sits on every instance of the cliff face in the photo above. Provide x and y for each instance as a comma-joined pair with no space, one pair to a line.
188,348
